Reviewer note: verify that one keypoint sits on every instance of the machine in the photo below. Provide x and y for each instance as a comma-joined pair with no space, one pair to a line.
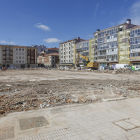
87,63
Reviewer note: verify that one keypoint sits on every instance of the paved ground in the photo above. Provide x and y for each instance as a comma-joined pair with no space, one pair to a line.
115,120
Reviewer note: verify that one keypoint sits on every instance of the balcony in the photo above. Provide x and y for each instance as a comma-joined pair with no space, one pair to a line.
101,54
135,58
135,50
111,59
112,53
101,60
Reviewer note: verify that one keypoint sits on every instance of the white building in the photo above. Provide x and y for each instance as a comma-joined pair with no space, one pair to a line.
67,51
19,56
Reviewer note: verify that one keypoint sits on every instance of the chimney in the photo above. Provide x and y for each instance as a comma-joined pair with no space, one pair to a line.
78,38
128,21
98,30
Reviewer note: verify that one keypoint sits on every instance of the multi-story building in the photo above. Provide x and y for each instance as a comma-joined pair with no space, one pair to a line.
51,50
82,48
48,60
135,45
18,56
40,48
51,60
111,46
67,52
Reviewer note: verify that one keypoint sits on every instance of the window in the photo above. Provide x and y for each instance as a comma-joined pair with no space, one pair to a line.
19,49
16,53
22,49
3,61
3,49
22,57
7,49
11,49
69,44
3,52
3,57
22,53
7,61
16,49
19,61
19,53
22,61
16,57
19,57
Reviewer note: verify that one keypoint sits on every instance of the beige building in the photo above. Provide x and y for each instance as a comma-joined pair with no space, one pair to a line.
18,56
48,60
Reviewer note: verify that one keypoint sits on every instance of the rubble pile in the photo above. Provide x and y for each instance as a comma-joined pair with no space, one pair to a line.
42,94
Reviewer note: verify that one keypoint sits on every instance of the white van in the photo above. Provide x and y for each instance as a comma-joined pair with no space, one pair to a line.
123,66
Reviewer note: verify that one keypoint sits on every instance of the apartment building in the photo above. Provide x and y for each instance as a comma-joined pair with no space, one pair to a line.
51,50
82,48
67,52
40,48
18,56
135,45
111,46
48,60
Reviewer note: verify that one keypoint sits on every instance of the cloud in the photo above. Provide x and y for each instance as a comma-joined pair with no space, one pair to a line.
51,40
96,9
134,14
43,27
4,42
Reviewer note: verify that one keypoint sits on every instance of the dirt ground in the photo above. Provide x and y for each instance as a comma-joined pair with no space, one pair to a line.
22,90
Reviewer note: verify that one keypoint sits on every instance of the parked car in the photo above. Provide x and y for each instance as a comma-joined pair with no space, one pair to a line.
118,66
108,68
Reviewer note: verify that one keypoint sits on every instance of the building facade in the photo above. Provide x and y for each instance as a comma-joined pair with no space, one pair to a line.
111,46
67,52
51,50
48,60
82,48
135,46
40,48
18,56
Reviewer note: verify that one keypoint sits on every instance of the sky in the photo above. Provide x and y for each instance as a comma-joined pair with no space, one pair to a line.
49,22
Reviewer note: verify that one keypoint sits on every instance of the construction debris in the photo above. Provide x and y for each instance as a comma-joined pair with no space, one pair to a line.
30,95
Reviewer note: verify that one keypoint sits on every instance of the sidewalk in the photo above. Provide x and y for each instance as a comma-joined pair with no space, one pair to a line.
115,120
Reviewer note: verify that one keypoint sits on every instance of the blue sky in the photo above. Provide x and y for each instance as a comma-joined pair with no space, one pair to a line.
48,22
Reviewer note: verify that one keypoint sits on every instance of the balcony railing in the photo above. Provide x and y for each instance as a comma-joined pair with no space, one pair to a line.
111,59
111,53
135,58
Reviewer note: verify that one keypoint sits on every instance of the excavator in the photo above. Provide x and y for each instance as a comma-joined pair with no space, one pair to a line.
87,63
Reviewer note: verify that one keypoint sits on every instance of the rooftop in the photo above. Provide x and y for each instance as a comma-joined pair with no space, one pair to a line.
72,40
136,27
